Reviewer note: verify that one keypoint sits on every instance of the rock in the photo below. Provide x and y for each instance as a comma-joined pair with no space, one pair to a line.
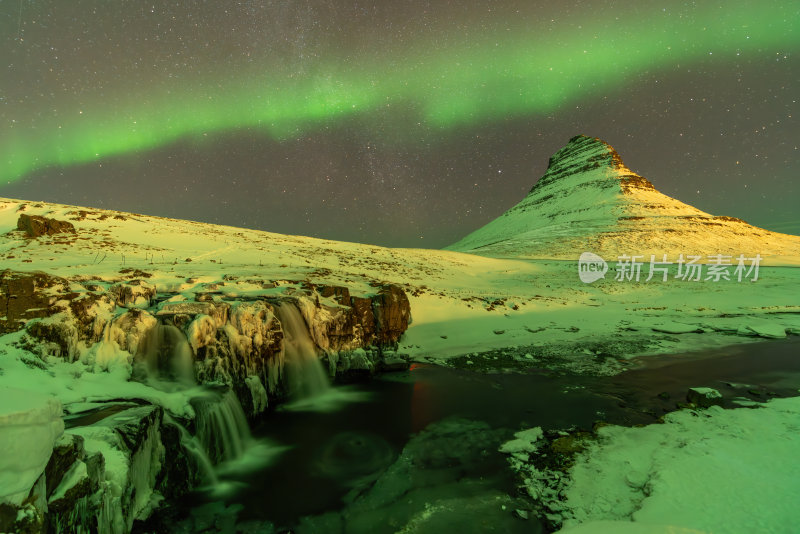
394,363
133,294
90,311
26,296
392,314
364,317
133,453
67,450
218,311
704,397
36,225
339,294
521,514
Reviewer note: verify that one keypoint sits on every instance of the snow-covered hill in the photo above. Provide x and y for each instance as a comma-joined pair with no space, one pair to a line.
588,200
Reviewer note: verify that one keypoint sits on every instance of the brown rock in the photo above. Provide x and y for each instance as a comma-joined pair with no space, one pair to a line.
392,313
36,225
364,316
23,297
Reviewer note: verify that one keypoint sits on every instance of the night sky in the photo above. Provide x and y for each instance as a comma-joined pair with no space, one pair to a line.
394,122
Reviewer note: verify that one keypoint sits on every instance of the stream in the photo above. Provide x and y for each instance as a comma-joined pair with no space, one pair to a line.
417,451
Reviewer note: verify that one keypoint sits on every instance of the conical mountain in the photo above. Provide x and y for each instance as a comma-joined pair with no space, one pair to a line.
588,200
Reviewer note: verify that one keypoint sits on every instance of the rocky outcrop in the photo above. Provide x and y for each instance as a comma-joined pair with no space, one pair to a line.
103,477
133,294
36,226
233,342
25,296
392,313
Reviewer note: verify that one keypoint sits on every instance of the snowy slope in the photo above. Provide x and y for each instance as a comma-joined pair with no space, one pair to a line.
588,200
460,303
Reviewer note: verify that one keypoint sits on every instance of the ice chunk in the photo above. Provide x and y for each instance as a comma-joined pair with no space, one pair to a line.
30,423
770,330
525,441
671,327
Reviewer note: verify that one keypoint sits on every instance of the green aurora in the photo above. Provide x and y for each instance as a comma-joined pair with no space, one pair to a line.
521,72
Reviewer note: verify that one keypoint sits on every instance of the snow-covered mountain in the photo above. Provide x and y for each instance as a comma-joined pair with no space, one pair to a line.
588,200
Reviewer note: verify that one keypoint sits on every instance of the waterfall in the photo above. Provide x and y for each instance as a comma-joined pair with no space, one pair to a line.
305,375
165,354
221,425
193,446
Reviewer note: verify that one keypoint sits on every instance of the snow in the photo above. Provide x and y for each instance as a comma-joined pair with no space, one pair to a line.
715,470
458,301
73,476
769,330
30,424
579,206
524,443
77,382
626,527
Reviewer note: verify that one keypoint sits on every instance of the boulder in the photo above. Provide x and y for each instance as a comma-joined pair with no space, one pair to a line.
392,313
133,294
36,225
704,397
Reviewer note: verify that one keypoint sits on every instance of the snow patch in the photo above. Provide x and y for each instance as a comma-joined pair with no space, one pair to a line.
30,423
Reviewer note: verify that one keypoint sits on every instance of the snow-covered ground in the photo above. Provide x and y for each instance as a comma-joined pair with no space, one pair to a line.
460,303
712,470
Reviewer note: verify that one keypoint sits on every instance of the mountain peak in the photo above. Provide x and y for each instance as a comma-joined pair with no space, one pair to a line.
583,154
588,200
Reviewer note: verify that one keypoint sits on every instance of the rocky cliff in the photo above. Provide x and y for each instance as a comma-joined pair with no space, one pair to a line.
124,452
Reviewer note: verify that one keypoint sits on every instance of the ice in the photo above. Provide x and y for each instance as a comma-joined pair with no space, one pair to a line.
525,442
30,424
626,527
673,327
257,393
769,330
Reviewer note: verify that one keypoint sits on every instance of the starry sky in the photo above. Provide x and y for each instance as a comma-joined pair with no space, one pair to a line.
393,122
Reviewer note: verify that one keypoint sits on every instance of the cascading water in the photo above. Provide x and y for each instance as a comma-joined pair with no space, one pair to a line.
165,360
195,449
165,354
305,375
221,426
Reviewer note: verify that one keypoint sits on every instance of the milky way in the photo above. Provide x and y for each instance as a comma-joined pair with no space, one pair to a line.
388,123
